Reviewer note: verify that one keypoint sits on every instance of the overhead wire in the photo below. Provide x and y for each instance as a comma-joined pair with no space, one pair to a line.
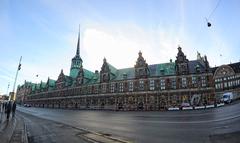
214,9
207,18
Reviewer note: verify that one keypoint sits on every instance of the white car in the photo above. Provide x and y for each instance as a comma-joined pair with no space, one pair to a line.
27,105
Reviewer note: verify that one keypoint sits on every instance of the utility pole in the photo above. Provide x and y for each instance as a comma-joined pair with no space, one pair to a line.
7,88
18,69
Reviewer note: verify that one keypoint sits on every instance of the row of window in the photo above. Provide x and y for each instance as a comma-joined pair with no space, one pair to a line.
233,77
228,84
201,81
141,85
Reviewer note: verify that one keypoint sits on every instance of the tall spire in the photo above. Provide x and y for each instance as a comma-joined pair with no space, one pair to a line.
76,60
78,44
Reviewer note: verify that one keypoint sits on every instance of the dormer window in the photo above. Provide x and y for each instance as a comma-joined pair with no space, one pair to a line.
197,68
124,76
162,71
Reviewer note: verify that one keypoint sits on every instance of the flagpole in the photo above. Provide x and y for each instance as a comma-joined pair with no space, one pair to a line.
19,67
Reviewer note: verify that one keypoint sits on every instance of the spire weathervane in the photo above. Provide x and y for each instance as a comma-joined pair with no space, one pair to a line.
78,44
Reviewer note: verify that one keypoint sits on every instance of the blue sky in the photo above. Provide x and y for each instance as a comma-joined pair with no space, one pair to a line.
45,33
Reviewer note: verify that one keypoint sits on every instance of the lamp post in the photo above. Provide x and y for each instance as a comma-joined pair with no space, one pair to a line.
7,88
12,95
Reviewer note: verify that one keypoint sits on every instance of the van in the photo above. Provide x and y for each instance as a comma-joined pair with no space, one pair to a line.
227,97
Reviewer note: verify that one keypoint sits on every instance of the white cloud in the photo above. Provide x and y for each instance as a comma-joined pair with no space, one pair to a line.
121,45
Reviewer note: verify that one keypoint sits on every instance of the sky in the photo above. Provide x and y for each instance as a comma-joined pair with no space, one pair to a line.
44,33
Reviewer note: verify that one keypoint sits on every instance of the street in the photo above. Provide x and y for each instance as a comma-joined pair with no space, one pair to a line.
210,125
46,131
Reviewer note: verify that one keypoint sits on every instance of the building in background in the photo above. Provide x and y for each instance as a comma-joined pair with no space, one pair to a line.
227,80
176,83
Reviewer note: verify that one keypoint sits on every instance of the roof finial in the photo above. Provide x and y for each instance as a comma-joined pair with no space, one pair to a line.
78,44
179,48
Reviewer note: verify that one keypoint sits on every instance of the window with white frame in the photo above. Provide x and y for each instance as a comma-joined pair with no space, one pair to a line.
194,80
218,86
203,79
141,85
89,89
162,84
173,80
234,83
151,84
112,87
120,87
104,88
184,82
130,85
96,89
225,84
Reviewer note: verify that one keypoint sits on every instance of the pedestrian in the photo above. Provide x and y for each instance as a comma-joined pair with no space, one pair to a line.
5,106
2,106
9,106
14,106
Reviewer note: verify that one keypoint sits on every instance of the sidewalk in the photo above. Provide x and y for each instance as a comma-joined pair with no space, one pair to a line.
12,130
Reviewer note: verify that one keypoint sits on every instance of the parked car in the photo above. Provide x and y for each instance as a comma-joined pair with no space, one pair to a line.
27,105
227,97
184,104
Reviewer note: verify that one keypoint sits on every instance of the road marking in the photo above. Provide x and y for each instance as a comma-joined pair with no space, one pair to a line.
100,138
189,122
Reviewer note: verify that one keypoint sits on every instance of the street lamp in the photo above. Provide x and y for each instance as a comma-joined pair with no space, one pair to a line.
13,95
7,88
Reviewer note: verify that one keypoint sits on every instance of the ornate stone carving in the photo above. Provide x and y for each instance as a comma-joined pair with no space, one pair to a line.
224,71
105,72
80,77
141,67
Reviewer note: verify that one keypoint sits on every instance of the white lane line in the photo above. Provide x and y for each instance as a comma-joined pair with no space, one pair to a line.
189,122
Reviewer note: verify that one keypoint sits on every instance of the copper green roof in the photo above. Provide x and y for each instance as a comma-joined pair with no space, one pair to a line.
128,72
74,72
88,74
51,82
162,69
68,80
112,69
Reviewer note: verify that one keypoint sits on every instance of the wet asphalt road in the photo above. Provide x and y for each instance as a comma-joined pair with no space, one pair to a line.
211,125
46,131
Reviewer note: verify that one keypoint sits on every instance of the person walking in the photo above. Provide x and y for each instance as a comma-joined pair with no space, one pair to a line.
9,106
2,107
14,106
5,106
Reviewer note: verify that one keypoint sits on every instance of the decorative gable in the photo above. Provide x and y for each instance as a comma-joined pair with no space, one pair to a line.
141,67
181,63
105,72
60,83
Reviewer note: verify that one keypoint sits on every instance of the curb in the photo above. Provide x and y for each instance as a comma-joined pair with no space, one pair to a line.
19,132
